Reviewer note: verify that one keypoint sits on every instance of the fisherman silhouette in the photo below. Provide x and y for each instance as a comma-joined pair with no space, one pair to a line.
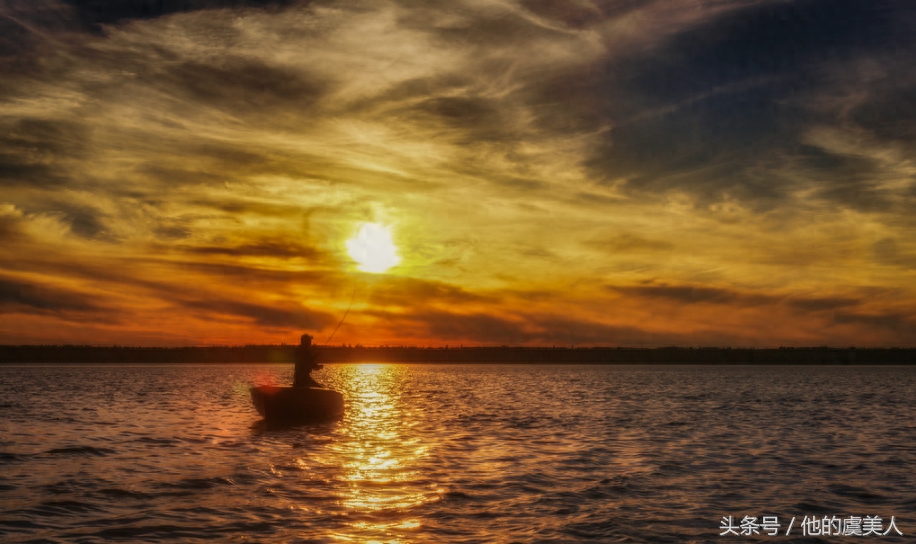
306,362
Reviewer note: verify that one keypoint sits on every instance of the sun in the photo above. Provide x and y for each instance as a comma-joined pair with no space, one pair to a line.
373,248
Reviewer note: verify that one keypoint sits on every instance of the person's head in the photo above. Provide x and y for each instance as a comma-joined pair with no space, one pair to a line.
305,340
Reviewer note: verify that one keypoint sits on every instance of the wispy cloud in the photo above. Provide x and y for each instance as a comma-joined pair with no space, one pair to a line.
737,172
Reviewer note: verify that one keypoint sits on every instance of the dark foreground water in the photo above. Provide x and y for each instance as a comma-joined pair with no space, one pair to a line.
458,454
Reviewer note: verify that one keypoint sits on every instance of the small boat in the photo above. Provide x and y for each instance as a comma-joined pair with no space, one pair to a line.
291,405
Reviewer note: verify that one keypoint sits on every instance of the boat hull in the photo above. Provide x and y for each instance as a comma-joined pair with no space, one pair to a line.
278,404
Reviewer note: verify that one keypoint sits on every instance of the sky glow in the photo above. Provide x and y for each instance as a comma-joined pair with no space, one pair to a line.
686,172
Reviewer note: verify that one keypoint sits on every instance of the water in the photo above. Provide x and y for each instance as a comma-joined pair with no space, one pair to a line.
454,453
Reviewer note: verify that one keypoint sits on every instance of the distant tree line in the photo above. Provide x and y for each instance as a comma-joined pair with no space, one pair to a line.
283,354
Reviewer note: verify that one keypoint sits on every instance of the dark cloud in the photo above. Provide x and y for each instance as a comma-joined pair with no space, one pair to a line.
572,331
775,38
178,163
10,229
414,292
281,315
14,170
888,251
234,159
242,85
85,222
697,294
25,27
93,13
851,179
703,111
127,276
177,176
189,161
891,104
902,325
543,329
472,119
885,250
33,151
822,304
692,294
707,147
239,206
30,297
15,40
630,243
264,248
477,327
444,84
579,15
172,232
483,27
35,298
241,275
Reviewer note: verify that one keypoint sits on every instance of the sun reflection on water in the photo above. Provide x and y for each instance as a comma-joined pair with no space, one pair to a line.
382,458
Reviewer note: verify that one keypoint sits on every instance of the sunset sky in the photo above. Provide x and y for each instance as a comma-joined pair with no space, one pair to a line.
633,173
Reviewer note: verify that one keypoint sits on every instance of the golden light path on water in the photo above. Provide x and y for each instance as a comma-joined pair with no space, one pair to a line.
381,456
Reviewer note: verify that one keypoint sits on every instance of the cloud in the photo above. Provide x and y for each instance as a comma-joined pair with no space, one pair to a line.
660,171
698,294
18,296
823,304
478,327
692,294
899,325
421,293
733,90
263,248
35,151
10,224
265,278
98,12
241,85
566,331
284,315
452,327
625,242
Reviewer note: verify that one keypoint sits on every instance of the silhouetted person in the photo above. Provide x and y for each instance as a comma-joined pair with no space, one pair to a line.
306,362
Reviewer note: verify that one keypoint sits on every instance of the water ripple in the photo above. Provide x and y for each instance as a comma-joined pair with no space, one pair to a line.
452,453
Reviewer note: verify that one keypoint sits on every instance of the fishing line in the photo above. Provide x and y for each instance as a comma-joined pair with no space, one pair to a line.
352,297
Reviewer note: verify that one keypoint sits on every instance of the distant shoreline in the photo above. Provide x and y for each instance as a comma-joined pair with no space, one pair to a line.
283,354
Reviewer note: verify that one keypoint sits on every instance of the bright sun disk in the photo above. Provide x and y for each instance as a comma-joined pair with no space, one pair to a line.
373,248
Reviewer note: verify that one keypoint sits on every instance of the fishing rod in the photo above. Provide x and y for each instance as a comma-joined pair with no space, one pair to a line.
352,297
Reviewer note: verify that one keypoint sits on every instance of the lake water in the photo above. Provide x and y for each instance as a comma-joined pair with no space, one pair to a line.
456,453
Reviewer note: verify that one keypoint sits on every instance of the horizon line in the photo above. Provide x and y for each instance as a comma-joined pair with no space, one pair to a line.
450,347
